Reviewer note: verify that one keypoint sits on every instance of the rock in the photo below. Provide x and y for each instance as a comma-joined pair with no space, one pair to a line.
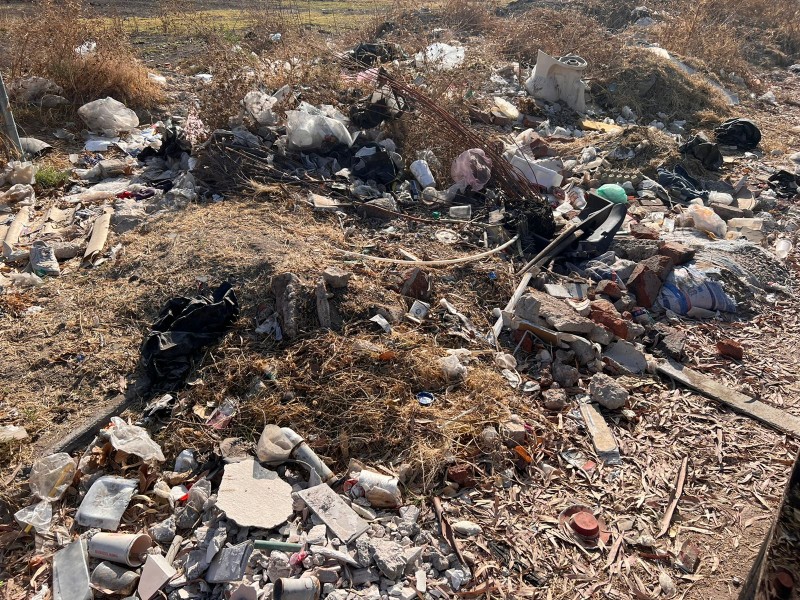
604,313
643,232
728,212
466,528
163,532
334,512
660,264
585,351
456,578
32,89
730,348
514,430
323,306
674,343
52,101
679,253
567,376
627,302
609,288
601,335
554,399
626,357
286,288
337,278
362,576
439,561
411,556
607,392
328,575
527,308
317,535
646,284
388,557
252,496
558,315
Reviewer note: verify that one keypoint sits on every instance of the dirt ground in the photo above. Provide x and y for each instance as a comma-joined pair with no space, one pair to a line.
72,347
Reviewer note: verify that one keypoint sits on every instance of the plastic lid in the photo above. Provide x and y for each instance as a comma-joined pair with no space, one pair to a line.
584,523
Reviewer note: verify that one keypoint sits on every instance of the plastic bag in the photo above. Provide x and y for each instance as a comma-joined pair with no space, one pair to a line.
51,476
315,132
452,368
17,172
39,516
705,219
687,287
443,56
472,168
134,440
108,116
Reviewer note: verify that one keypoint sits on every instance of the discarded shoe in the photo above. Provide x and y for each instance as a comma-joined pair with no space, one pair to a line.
43,260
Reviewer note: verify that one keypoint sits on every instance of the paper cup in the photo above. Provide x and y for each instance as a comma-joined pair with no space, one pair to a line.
125,548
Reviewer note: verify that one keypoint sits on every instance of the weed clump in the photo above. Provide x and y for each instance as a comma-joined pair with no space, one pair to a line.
88,57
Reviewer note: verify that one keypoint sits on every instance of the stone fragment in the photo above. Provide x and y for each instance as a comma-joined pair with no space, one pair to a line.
727,212
627,302
527,308
646,284
585,351
286,288
565,375
252,496
514,430
626,357
334,512
323,306
466,528
336,278
554,399
679,253
607,392
558,315
279,566
388,557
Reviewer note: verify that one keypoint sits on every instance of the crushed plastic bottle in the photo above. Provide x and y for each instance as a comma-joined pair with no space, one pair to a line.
51,476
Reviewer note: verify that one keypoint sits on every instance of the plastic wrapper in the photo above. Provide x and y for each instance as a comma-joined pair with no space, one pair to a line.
705,219
687,287
51,476
134,440
443,56
472,168
39,516
452,368
108,116
315,132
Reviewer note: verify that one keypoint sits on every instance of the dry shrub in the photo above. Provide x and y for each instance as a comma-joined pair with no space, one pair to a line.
469,16
727,34
559,32
45,47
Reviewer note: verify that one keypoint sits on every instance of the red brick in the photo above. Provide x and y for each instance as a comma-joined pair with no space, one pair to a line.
527,343
679,253
643,232
609,288
603,313
660,265
645,284
731,349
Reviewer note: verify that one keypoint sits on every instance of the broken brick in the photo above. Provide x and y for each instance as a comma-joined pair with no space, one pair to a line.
643,232
609,288
679,253
462,475
604,313
417,284
646,284
660,265
730,348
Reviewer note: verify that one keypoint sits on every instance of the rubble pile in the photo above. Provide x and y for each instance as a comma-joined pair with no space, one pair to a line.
616,261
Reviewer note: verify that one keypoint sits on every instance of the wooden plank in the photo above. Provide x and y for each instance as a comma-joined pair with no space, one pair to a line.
605,444
774,417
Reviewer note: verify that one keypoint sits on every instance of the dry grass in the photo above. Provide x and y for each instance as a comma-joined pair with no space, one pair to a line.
46,48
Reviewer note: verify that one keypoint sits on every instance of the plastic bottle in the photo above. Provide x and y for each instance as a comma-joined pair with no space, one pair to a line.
422,173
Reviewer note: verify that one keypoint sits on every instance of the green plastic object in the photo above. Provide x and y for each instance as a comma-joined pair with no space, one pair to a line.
271,545
613,193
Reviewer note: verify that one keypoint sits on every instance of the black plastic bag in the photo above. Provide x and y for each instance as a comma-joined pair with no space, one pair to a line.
742,133
183,329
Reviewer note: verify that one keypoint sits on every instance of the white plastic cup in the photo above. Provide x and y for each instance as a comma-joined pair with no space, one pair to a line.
422,173
124,548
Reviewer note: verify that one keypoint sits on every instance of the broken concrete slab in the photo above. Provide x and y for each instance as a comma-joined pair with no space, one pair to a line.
334,512
605,444
230,563
560,316
388,557
253,496
156,572
607,392
626,357
527,308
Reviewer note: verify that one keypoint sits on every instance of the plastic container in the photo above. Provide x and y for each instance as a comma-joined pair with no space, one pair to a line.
305,454
422,173
461,212
782,248
535,173
381,491
71,572
105,502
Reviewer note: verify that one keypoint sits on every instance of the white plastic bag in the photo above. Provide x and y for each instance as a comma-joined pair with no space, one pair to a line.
452,368
108,116
315,132
134,440
39,516
443,56
705,219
